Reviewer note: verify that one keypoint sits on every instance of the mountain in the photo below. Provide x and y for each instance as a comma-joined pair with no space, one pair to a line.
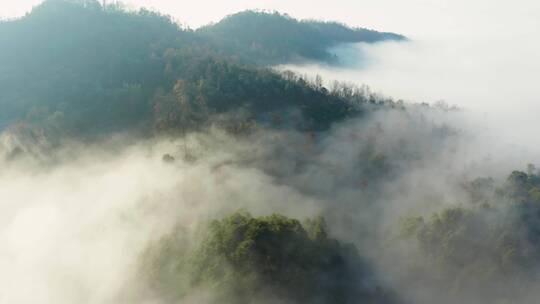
80,69
89,65
273,38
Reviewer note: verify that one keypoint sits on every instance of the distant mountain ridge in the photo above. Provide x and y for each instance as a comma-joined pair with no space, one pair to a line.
273,38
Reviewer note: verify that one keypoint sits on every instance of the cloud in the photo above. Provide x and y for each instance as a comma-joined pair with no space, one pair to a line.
493,80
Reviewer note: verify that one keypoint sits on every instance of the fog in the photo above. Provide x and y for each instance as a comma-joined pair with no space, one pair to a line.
73,231
490,71
74,224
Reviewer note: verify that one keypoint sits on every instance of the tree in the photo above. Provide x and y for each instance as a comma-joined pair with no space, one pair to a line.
243,258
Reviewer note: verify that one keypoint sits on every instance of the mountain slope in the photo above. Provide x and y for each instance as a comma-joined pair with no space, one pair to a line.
90,64
272,38
77,68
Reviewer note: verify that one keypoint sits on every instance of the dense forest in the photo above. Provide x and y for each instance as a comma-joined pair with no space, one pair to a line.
87,70
272,38
238,183
242,258
487,248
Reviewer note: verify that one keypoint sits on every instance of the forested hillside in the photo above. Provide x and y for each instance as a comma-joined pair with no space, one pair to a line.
488,248
79,68
275,38
242,258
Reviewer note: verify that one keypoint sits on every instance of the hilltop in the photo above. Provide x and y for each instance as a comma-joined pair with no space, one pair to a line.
75,68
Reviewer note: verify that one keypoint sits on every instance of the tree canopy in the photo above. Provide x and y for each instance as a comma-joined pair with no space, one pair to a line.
246,259
491,247
274,38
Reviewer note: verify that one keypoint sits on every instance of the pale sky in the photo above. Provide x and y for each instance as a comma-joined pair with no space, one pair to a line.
412,17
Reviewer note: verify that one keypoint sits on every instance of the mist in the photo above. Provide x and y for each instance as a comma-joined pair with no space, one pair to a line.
73,232
483,61
74,228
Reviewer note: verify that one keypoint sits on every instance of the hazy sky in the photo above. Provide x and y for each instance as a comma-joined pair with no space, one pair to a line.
412,17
